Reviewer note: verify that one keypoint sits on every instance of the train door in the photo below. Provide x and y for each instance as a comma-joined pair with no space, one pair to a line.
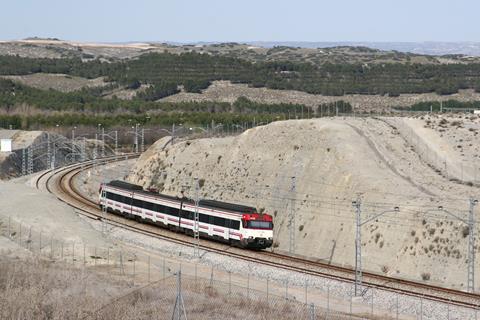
228,225
180,214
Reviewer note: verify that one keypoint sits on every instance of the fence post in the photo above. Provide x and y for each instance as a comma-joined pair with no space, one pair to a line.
421,307
312,312
121,263
248,285
286,289
328,302
29,242
211,278
229,282
134,271
371,308
267,291
448,310
148,268
351,303
398,311
163,268
306,291
196,265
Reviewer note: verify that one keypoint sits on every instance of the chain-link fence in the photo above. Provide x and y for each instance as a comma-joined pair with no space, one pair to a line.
211,292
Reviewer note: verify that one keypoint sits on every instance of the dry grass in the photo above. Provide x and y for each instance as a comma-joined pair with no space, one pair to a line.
41,289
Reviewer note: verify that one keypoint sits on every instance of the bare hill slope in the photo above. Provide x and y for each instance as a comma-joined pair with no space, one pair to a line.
334,161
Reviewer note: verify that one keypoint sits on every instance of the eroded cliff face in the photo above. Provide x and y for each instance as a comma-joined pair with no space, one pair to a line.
316,168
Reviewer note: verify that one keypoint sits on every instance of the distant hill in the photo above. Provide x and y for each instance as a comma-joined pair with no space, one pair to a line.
429,47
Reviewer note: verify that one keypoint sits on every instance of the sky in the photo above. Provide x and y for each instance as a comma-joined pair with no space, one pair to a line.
241,20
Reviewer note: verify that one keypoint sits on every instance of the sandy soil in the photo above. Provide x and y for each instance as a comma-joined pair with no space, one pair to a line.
334,161
60,82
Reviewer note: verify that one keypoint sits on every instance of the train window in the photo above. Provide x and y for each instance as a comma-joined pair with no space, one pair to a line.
203,218
161,209
235,224
256,224
149,205
172,211
138,203
218,221
126,200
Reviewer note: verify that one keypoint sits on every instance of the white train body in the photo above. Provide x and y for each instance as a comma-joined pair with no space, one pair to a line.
226,222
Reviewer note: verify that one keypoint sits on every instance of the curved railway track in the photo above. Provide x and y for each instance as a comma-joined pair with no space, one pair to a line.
61,184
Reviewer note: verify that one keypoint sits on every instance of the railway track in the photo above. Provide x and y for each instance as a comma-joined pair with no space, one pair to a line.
61,184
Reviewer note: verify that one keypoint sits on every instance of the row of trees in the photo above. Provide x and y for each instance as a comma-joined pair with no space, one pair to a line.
165,72
13,94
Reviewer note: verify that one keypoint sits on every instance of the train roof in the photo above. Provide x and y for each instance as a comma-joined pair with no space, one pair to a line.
125,185
214,204
227,206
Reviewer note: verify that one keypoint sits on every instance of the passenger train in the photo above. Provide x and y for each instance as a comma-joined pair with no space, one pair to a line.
231,223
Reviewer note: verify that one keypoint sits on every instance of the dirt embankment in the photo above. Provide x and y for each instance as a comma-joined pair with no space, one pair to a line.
334,161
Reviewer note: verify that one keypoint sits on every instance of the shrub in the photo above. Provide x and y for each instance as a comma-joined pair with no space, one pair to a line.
425,276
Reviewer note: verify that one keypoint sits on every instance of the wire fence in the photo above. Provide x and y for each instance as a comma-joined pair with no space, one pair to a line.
215,292
465,172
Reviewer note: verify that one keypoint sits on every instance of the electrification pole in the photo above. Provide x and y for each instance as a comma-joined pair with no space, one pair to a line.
103,142
24,162
83,150
104,210
291,218
358,246
30,160
135,140
196,227
471,240
73,145
95,152
179,307
358,240
49,152
471,246
116,141
54,151
142,140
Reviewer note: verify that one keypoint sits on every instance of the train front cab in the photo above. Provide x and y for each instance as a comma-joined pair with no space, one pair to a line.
257,231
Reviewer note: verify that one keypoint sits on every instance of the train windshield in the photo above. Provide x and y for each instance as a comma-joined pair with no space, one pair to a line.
257,224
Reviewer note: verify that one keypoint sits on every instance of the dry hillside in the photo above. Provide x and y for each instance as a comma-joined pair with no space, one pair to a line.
387,162
53,48
60,82
228,92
